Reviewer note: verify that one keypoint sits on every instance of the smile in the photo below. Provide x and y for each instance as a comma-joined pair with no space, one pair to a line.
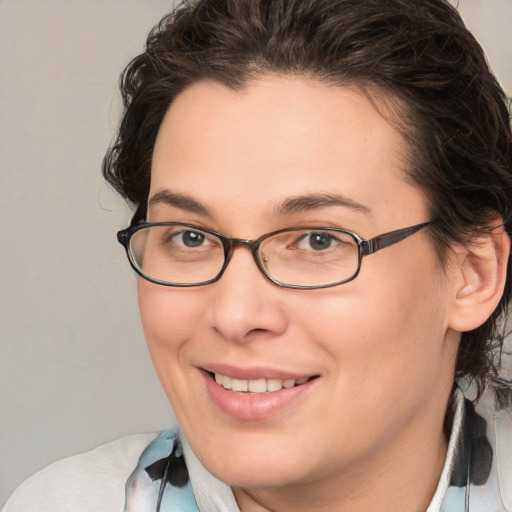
257,385
257,398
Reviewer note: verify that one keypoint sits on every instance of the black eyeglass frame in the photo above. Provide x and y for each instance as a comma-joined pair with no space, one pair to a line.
365,247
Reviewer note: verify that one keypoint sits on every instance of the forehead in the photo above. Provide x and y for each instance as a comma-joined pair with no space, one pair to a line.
278,137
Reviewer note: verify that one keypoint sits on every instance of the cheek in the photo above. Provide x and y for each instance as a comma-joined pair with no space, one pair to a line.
169,316
171,319
386,331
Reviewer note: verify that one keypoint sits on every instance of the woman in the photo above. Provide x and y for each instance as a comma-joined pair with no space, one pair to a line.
322,194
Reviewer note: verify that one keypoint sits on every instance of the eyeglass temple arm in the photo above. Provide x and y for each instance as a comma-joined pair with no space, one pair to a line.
387,239
138,216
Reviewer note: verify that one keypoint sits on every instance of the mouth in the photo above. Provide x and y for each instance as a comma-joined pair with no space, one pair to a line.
258,386
255,394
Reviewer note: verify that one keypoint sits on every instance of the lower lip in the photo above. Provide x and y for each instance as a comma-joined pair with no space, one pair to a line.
252,407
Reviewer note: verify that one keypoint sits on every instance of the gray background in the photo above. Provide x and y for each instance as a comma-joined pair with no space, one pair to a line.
74,372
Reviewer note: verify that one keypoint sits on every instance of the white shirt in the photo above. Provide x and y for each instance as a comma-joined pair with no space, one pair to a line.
92,482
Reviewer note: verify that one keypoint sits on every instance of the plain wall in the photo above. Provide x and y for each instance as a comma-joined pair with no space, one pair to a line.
74,372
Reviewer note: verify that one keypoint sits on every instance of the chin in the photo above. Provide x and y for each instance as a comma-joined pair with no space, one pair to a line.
259,467
259,477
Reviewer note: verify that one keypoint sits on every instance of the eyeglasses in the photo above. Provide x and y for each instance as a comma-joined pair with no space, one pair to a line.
174,254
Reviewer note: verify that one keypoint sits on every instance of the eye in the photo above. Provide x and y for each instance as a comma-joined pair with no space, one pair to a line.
317,241
320,241
181,238
192,238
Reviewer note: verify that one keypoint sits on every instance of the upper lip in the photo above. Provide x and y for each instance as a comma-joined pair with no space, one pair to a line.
254,372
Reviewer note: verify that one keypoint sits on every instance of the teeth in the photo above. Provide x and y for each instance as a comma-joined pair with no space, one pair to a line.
239,384
257,385
274,384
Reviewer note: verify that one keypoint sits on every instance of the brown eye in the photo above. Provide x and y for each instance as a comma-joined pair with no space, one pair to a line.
319,241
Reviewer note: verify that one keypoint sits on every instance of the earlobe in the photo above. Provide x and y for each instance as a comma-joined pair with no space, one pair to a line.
480,283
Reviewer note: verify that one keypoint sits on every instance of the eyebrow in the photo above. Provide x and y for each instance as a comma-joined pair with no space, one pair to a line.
298,204
308,202
181,201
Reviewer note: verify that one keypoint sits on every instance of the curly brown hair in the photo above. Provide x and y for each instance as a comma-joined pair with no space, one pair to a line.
448,105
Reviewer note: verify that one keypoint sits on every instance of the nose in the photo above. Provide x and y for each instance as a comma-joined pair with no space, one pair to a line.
245,303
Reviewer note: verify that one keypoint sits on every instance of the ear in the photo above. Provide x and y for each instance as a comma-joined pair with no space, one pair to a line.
480,279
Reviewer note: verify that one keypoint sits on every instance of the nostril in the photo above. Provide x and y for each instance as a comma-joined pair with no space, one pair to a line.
256,331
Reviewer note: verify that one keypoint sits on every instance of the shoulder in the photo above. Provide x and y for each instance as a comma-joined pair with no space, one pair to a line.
92,481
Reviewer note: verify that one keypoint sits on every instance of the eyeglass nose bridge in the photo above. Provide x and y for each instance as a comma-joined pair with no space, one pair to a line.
230,244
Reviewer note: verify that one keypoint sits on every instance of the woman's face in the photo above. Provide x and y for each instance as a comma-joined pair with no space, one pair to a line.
376,353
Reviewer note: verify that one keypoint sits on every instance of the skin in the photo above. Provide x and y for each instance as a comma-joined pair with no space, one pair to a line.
382,344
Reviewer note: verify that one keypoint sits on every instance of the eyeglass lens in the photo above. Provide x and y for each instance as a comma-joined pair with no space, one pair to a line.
178,254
